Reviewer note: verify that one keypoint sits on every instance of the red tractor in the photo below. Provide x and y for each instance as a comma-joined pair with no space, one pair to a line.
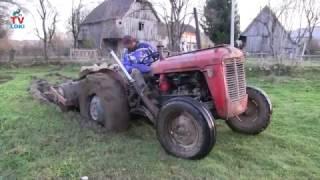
182,98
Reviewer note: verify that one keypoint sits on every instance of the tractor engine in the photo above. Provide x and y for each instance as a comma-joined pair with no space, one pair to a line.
190,84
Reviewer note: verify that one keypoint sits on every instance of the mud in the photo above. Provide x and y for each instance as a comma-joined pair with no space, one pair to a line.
113,96
83,123
107,87
4,79
39,89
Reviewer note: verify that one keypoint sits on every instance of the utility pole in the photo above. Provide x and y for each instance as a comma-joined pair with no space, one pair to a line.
232,23
197,28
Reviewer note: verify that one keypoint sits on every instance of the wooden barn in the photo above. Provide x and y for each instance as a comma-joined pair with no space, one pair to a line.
266,35
105,26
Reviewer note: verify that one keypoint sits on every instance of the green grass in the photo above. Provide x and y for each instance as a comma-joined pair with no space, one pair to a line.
37,141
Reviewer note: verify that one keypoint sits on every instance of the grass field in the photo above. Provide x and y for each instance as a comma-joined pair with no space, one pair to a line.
39,142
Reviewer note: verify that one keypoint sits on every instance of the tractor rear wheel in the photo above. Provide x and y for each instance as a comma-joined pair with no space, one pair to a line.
186,129
103,99
257,117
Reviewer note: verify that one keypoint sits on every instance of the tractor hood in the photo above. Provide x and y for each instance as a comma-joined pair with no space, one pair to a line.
196,60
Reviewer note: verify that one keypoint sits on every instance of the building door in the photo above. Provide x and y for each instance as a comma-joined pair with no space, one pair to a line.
110,44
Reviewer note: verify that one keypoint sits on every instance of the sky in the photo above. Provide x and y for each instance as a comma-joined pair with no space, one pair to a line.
248,10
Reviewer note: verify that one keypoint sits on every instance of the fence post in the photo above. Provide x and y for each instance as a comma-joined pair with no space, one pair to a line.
71,58
76,54
12,53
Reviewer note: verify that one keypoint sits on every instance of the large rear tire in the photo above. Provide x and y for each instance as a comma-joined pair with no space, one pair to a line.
257,116
186,129
103,99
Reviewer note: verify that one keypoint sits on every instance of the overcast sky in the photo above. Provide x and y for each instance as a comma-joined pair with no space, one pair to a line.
248,10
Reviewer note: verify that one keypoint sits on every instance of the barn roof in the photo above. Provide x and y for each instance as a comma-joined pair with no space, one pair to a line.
302,32
266,10
189,28
109,9
113,9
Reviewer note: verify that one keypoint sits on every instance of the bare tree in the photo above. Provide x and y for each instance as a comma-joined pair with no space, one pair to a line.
48,17
176,18
312,14
300,33
77,17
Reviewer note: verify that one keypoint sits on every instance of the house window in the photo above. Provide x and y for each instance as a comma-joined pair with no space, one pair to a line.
141,26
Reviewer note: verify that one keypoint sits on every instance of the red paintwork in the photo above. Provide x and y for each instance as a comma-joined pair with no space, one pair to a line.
164,85
210,62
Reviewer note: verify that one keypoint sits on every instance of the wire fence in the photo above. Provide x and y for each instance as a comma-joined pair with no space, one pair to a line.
304,61
74,56
89,56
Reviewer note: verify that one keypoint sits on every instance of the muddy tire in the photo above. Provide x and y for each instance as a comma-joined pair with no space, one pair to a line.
103,99
186,129
258,115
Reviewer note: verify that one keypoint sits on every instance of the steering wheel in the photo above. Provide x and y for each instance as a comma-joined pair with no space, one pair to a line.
154,56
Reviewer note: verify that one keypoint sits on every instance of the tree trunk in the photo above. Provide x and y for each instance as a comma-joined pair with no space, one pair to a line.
310,43
45,49
176,46
75,43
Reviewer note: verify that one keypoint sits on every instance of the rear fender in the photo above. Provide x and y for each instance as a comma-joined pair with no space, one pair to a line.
111,70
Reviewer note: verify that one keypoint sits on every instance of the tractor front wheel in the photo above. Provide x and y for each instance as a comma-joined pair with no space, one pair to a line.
186,129
257,117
